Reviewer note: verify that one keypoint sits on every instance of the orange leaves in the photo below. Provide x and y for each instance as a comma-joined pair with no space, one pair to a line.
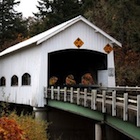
33,129
23,127
9,130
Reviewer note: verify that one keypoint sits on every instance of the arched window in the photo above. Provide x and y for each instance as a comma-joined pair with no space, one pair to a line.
2,81
26,79
14,80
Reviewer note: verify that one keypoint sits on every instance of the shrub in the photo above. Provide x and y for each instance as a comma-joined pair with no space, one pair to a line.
20,127
9,130
34,129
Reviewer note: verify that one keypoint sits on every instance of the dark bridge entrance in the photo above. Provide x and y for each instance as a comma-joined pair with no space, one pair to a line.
76,62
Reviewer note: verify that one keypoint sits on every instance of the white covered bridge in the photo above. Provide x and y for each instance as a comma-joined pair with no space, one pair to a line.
73,47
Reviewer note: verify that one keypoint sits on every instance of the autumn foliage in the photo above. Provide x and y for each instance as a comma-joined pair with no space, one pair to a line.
23,127
10,130
34,129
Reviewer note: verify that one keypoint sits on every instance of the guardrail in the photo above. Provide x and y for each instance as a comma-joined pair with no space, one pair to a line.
121,102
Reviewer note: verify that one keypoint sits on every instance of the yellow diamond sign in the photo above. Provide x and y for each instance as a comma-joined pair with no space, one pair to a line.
78,42
108,48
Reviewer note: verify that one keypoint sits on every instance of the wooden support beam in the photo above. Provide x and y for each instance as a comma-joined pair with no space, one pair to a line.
58,93
85,97
78,96
103,101
52,92
71,94
65,94
114,103
93,99
138,110
125,107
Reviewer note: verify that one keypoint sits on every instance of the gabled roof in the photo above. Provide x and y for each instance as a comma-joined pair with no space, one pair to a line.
53,31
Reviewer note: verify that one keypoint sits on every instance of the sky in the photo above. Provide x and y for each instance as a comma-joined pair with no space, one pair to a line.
27,7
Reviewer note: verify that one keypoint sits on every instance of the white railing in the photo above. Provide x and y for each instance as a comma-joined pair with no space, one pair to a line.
121,102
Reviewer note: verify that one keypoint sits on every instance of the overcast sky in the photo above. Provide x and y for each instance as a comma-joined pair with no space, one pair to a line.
27,7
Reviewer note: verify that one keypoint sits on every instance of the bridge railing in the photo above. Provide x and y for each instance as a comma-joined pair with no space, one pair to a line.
121,102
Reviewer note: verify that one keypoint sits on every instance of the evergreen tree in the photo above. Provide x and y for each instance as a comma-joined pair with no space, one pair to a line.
11,23
54,12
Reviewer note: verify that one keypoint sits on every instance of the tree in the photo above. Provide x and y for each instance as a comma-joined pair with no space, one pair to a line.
60,10
54,12
120,19
11,23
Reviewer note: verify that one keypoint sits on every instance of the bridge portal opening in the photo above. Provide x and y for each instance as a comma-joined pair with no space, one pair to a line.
76,62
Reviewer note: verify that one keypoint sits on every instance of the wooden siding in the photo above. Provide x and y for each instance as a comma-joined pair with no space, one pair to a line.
27,61
65,40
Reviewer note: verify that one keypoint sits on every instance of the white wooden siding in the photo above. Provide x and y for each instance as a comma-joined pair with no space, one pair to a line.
18,63
65,40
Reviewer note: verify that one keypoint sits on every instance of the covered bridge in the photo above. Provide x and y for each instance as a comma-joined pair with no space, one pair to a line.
73,47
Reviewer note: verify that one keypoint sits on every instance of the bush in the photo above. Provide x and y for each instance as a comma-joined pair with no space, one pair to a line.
9,130
34,129
22,127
